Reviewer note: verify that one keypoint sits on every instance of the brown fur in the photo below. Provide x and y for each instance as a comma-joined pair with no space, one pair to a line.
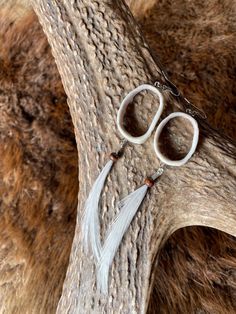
38,171
38,164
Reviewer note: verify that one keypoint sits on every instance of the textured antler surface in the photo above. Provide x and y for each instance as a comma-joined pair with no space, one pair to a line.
101,55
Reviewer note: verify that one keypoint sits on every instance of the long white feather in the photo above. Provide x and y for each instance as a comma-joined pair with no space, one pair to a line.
128,208
90,224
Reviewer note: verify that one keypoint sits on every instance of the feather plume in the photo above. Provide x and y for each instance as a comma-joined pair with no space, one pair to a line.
90,224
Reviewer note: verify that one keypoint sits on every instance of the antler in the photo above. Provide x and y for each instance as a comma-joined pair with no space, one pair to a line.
101,55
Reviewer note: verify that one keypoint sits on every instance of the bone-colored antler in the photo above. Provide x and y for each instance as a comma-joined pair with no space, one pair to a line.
101,55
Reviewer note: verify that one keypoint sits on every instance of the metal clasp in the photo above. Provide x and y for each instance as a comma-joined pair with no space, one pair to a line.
197,112
171,87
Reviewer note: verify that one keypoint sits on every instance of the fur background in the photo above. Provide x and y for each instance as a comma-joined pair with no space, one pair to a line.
195,41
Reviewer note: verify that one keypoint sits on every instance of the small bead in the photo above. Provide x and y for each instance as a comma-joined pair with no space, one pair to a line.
114,156
149,182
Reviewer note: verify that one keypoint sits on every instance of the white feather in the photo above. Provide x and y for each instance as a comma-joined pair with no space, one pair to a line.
90,224
128,208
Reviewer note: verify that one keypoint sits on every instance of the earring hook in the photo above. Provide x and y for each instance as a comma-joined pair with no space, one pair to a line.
171,87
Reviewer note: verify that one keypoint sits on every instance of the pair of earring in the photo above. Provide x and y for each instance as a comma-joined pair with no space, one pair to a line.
104,255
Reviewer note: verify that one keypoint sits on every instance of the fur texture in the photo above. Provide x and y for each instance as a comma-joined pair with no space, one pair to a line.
38,171
196,273
195,41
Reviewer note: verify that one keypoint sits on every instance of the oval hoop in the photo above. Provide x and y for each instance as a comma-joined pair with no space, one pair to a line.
121,112
160,127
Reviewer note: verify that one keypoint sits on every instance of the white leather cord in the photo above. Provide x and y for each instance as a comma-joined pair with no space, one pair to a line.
121,113
160,127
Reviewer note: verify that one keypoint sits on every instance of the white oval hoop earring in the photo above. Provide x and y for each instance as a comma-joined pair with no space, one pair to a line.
130,204
160,127
121,112
90,224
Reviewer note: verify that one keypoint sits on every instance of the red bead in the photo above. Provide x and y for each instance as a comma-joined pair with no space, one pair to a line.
114,156
149,182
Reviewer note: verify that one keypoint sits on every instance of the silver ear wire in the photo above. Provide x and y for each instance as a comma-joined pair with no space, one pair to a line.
171,87
193,110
